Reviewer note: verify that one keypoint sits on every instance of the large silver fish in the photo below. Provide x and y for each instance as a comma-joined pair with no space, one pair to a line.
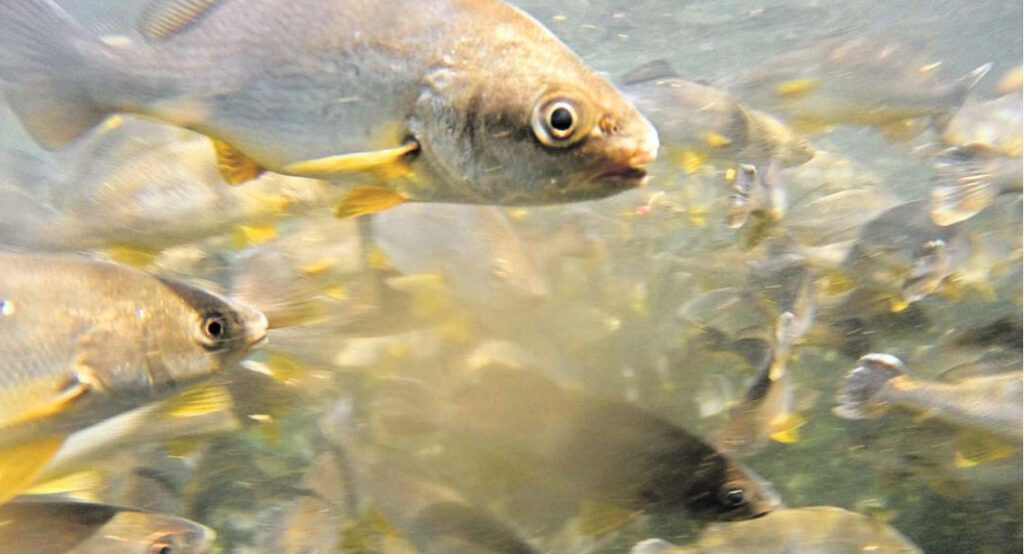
31,526
468,101
83,341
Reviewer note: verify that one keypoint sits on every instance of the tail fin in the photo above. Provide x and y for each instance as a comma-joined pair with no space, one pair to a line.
964,85
40,53
962,185
856,397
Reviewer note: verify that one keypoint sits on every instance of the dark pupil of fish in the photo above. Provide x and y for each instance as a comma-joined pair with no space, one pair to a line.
561,119
734,497
214,328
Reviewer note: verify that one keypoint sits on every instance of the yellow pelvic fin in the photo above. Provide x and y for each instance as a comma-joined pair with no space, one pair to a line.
368,200
797,87
600,519
715,140
1010,81
234,166
978,448
20,464
786,428
85,480
357,161
199,400
163,18
249,235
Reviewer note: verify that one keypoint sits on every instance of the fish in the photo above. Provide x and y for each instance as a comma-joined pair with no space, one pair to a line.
881,382
138,186
700,124
41,526
995,124
968,178
865,80
767,411
86,340
806,530
758,195
600,449
431,110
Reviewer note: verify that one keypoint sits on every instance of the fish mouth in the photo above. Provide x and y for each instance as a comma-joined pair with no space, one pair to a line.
630,176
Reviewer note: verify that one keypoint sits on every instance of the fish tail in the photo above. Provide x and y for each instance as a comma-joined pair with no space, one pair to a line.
964,85
42,51
857,397
962,184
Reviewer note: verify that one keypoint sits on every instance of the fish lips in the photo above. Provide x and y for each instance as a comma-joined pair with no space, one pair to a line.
623,176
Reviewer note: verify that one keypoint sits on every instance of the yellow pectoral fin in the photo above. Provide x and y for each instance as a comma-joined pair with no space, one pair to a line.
234,166
356,161
196,401
690,161
600,519
786,429
55,406
164,18
368,200
20,464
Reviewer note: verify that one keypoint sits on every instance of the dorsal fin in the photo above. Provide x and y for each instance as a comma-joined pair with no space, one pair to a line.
162,18
657,69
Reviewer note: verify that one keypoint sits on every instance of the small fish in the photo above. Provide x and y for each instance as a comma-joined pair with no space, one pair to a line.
867,80
809,530
757,194
880,382
431,110
767,411
994,124
31,526
86,340
136,185
602,450
967,179
698,123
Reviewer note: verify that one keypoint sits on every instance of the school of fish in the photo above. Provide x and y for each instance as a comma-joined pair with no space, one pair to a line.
477,276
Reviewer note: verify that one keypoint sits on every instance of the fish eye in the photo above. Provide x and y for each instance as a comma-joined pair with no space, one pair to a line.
733,498
215,326
556,122
161,547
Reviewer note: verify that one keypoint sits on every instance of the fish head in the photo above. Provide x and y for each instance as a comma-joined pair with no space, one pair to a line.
550,130
206,333
723,490
138,532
